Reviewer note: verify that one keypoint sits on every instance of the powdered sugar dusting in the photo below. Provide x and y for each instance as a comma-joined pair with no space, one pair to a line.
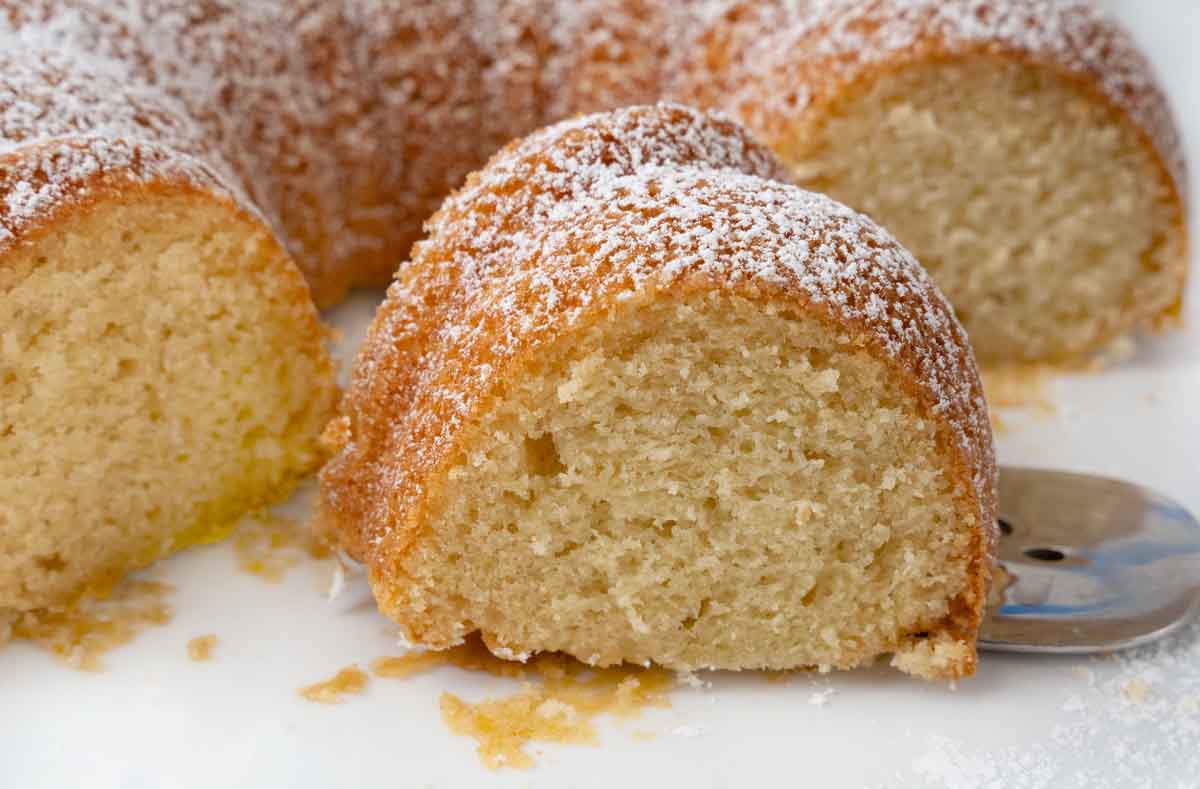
607,208
344,122
61,129
265,101
781,56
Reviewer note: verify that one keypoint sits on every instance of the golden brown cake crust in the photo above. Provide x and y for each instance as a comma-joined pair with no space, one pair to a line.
60,179
784,68
345,123
769,62
342,124
592,216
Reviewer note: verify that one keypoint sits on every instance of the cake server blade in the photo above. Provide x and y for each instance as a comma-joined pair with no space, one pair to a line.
1088,564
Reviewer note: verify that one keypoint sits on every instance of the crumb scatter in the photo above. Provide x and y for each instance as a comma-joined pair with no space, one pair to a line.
1001,581
268,546
200,648
558,702
94,626
349,681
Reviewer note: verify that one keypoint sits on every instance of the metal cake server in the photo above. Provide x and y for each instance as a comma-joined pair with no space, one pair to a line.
1089,565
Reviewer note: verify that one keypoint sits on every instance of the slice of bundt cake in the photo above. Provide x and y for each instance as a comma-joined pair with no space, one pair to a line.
1022,149
162,368
634,401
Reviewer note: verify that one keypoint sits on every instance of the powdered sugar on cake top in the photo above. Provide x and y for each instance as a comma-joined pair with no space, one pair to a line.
68,120
344,122
236,97
787,53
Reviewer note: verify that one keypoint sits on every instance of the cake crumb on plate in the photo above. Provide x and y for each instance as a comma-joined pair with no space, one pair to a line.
200,648
350,680
82,634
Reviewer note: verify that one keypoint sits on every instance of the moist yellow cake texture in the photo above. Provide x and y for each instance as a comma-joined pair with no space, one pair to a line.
635,402
162,372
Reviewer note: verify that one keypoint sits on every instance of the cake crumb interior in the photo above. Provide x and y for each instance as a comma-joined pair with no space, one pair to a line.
699,483
161,373
986,169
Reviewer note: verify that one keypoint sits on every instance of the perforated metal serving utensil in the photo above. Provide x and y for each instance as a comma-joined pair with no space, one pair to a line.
1089,565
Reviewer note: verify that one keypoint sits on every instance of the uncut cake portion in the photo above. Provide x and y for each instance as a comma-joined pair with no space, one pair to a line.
634,400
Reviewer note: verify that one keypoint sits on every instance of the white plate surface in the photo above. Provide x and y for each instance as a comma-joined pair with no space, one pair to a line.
154,718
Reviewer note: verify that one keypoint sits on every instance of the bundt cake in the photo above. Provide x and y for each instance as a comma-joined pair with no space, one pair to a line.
1021,148
634,400
167,162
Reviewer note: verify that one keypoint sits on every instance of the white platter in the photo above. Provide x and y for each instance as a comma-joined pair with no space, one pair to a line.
154,718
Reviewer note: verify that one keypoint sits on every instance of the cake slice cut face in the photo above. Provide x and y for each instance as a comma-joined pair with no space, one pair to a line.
636,403
162,372
701,483
1023,150
988,172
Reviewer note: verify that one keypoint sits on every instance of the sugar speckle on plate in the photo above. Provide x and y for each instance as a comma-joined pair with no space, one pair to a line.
821,698
1141,708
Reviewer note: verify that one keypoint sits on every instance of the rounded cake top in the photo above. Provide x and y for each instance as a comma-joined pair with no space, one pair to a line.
791,53
256,97
66,122
599,210
344,122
